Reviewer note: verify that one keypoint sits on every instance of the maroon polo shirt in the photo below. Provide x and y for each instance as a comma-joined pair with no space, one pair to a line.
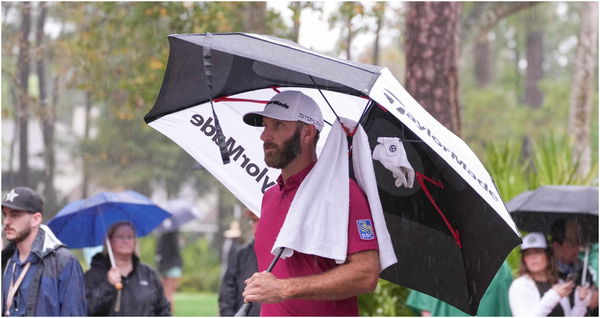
275,205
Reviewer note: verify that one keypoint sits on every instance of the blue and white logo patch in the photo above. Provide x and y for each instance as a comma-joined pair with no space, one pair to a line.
365,229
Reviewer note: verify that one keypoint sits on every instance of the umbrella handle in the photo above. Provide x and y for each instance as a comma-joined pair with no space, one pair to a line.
118,303
118,286
245,309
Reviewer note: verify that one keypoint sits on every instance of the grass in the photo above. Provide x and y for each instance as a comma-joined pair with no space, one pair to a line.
188,304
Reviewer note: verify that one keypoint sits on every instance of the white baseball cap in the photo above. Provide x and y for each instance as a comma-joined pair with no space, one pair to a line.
534,240
289,106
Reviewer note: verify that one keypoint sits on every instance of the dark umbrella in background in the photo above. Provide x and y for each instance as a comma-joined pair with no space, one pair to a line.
450,230
182,212
538,210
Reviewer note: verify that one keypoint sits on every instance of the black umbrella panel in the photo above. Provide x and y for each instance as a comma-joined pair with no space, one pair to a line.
538,210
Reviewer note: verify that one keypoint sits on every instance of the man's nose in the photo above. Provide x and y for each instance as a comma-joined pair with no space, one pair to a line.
265,135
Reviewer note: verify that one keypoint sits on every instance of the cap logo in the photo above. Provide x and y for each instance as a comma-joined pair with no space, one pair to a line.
11,195
278,103
309,120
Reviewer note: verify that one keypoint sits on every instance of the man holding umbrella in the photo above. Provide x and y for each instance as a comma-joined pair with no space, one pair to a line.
304,284
42,278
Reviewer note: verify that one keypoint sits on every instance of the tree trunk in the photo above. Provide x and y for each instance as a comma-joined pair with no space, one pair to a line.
13,141
379,10
349,37
255,17
580,112
296,8
482,63
431,57
23,65
535,61
85,182
47,111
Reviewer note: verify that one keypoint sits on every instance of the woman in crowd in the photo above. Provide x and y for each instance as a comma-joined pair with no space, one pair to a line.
538,291
129,288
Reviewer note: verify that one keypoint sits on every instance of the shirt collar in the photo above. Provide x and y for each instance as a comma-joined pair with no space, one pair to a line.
297,178
32,258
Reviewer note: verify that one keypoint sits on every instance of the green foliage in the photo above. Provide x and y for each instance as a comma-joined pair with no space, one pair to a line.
554,164
388,299
147,250
201,267
490,113
201,264
551,164
508,169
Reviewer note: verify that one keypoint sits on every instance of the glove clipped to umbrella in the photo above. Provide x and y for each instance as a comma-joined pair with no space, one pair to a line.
392,156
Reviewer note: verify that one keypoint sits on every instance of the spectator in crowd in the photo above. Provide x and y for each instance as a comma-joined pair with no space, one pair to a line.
170,263
567,242
41,276
130,287
231,244
538,291
241,266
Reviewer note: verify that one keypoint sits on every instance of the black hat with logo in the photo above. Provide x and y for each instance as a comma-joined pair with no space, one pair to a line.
23,199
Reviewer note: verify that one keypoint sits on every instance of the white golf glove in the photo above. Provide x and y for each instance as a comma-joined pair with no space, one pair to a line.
392,156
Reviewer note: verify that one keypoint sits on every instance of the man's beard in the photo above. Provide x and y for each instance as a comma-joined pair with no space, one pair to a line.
279,159
21,236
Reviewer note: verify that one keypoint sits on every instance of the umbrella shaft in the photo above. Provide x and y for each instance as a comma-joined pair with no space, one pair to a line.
118,303
585,264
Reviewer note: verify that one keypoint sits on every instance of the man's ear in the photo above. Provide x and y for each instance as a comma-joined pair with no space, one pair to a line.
310,132
36,219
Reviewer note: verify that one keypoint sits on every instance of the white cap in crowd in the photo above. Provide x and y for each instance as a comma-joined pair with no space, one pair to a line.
534,240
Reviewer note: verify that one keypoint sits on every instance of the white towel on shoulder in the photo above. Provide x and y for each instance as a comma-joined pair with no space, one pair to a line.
317,220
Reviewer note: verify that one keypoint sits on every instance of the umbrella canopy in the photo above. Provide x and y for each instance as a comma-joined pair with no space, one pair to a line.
182,212
84,223
537,210
450,231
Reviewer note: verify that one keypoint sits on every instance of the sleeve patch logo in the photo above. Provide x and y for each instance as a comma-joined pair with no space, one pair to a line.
365,229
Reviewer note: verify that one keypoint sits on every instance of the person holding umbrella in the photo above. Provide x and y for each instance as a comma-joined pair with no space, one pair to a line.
567,242
130,287
303,284
42,277
538,291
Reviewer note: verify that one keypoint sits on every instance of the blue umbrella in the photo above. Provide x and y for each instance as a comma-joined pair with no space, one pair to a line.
84,223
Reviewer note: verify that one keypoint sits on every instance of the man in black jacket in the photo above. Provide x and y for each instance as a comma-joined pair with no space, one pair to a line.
242,264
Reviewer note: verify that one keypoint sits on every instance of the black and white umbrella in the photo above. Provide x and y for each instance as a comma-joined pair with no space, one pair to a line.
450,230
